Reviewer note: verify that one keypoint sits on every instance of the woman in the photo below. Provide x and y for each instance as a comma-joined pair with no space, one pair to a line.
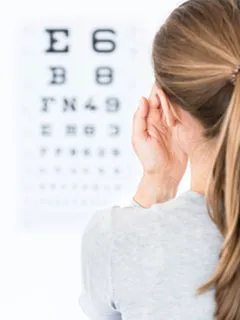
167,257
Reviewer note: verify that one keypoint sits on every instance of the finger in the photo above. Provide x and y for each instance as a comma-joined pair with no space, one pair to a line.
140,120
153,99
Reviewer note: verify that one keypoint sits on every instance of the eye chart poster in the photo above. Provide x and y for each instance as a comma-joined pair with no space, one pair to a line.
79,84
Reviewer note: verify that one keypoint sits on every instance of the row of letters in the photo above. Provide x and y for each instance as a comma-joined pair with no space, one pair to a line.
87,152
89,130
112,104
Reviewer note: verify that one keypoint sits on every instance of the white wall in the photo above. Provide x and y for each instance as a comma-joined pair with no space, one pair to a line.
40,271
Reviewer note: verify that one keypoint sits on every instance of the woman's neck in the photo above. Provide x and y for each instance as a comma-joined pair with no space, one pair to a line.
201,163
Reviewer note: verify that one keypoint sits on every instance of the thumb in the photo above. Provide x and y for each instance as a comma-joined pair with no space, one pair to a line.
140,120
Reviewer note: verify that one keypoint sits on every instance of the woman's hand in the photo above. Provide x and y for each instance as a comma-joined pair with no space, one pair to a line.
158,149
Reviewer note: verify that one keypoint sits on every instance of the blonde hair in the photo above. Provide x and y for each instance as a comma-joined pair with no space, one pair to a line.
194,55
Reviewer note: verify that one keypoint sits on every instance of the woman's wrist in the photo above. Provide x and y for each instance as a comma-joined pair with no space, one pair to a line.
155,188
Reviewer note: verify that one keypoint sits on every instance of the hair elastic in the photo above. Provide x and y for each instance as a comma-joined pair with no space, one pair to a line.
234,74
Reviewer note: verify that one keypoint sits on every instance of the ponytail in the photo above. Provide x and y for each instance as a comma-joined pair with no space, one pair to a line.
223,203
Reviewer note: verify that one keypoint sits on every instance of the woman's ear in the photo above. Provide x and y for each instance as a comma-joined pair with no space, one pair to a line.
167,108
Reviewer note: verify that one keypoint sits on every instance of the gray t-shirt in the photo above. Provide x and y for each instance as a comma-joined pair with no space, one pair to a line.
146,264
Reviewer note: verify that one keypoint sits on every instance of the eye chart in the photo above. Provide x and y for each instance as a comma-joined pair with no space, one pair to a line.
79,86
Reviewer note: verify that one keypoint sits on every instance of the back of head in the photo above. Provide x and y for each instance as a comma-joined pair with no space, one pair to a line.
194,55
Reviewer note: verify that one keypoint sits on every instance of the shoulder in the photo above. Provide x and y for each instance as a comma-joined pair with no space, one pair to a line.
104,221
183,217
128,218
179,216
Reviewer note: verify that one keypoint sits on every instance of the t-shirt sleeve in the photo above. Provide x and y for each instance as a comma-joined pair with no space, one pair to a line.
96,298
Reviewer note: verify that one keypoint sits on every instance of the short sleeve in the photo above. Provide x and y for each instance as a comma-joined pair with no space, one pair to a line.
96,299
